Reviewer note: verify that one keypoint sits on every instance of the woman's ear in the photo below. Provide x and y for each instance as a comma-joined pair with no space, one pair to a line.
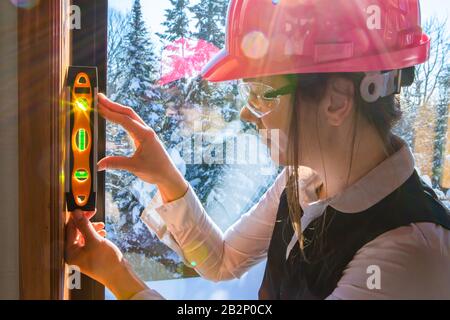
341,93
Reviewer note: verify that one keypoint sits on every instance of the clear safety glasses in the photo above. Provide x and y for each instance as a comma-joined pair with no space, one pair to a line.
262,99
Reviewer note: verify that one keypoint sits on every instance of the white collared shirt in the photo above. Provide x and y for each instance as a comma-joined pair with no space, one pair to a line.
414,261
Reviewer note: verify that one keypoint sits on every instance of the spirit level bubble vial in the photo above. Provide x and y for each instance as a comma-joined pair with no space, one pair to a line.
81,181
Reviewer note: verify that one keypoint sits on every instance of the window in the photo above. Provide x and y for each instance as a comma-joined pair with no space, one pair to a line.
189,115
88,48
154,50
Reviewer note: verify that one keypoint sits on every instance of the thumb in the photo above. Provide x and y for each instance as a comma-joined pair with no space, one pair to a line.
85,226
115,163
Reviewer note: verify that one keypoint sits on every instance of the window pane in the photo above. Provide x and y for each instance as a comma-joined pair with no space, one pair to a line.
154,57
198,122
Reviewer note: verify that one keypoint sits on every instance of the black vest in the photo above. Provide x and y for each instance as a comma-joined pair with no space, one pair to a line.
328,253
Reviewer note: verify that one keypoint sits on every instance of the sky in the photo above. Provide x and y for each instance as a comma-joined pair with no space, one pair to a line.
154,10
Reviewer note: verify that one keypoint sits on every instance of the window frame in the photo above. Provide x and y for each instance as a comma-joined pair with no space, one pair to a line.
89,48
43,57
46,48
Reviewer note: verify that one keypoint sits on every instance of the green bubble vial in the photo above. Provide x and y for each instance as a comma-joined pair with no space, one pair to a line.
82,140
81,175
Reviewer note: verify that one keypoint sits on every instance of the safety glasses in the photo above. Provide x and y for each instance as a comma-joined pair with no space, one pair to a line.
261,99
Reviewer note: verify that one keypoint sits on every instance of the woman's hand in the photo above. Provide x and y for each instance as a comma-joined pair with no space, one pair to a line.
99,258
150,162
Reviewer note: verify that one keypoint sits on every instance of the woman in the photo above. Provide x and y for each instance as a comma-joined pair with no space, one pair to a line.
348,218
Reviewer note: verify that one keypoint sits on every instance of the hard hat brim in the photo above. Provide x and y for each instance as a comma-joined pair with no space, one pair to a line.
224,66
221,67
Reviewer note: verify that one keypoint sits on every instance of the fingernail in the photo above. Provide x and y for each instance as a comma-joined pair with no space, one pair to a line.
78,215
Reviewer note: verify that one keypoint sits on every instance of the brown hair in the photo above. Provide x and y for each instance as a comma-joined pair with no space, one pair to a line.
382,115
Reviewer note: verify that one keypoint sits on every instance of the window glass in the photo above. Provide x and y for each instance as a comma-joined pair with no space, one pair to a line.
198,122
155,51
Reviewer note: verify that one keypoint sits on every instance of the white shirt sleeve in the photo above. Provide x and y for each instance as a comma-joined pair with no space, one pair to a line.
411,262
185,227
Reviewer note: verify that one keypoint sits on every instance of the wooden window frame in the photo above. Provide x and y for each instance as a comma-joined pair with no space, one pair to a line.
89,48
43,55
45,51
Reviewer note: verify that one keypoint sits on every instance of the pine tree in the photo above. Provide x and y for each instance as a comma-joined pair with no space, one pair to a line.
160,109
442,107
176,28
211,98
140,60
174,96
210,21
177,21
137,90
210,25
118,28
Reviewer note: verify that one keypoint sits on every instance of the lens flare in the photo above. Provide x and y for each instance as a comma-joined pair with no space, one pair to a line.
196,253
255,45
82,103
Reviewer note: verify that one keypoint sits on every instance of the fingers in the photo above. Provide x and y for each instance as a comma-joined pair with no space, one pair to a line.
72,246
136,129
71,254
116,107
90,214
98,226
85,227
102,233
75,237
115,163
77,230
71,233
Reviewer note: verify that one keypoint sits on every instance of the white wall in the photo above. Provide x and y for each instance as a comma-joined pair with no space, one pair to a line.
9,237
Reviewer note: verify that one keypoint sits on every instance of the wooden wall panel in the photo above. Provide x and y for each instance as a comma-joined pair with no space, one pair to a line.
44,53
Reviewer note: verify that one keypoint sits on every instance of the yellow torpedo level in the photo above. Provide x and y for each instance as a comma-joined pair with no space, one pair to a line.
81,139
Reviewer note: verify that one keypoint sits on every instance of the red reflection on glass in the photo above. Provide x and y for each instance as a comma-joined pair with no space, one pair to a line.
185,58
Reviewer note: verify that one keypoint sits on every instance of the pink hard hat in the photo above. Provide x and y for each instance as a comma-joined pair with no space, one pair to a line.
271,37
